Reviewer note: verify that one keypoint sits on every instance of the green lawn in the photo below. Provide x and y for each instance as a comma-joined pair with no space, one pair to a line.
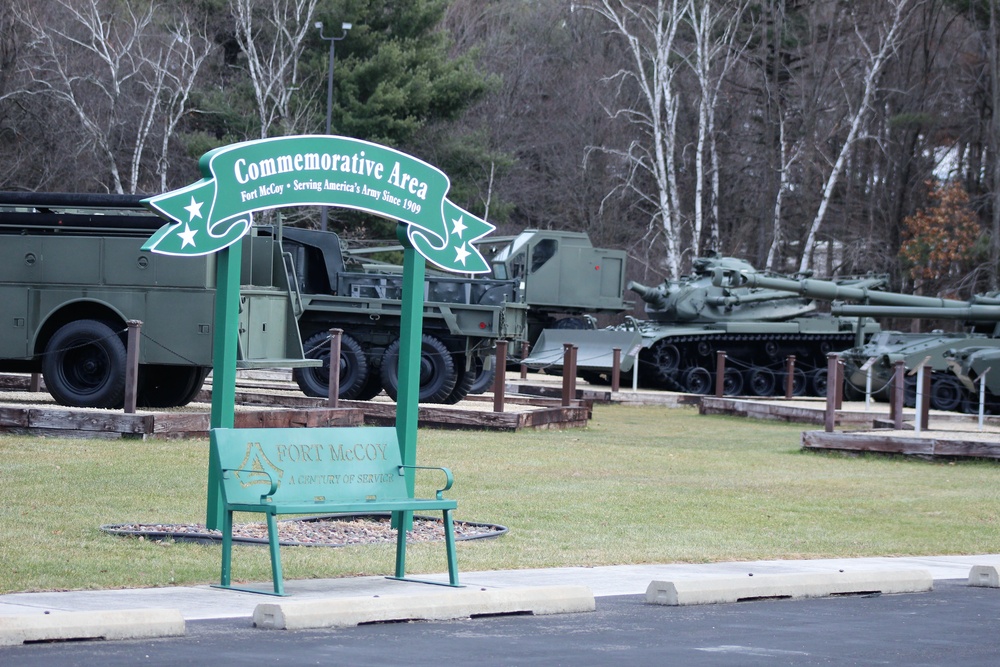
640,485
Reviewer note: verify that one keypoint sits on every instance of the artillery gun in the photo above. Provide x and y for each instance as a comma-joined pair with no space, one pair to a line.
714,310
878,356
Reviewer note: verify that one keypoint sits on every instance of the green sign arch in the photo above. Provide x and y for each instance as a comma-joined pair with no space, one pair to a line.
317,170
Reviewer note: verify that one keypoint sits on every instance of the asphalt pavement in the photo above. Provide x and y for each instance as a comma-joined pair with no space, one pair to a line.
954,624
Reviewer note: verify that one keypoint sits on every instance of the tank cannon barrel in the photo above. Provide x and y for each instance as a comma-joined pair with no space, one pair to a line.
654,296
967,311
860,291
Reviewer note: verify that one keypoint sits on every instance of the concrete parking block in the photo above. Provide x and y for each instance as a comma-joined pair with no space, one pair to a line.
80,625
710,590
453,604
986,576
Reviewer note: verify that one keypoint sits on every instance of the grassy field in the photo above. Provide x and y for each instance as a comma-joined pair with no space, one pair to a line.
639,485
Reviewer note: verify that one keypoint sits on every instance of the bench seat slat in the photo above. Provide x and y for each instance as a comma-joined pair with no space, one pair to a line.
346,507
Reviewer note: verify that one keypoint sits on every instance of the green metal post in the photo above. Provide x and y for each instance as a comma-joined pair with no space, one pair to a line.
224,344
408,396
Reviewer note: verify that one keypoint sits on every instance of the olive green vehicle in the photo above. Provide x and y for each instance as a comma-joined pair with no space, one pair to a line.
539,279
718,307
72,275
869,365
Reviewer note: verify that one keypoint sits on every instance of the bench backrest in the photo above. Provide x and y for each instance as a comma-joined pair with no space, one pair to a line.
321,464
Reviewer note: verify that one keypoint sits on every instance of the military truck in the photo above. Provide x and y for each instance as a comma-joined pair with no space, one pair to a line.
462,319
562,279
541,278
72,275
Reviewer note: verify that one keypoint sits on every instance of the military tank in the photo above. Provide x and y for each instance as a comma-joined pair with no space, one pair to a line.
877,355
977,368
951,357
715,309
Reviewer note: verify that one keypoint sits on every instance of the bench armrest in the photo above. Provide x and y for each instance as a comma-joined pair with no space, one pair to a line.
449,478
264,496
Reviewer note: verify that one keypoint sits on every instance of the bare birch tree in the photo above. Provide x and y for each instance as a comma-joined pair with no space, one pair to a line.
650,30
715,29
888,34
993,53
113,70
789,152
271,34
85,59
178,65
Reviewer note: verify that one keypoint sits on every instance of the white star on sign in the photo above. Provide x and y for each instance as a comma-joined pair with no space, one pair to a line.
193,209
187,236
461,253
458,229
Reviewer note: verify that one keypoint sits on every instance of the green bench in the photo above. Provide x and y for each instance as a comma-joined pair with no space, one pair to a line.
277,471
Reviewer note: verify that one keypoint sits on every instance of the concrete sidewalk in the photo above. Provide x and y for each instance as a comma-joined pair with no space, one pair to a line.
205,602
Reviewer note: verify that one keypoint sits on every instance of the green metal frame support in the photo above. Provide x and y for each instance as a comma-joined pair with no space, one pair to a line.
408,397
224,344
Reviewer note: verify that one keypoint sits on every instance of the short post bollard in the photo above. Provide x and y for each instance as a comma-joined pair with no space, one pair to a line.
838,380
720,373
616,368
925,388
790,376
35,384
132,366
898,393
567,353
500,377
333,390
572,373
525,347
831,392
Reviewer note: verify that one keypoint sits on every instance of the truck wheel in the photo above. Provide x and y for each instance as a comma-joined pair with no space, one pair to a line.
353,367
84,365
463,385
437,370
371,388
163,386
483,381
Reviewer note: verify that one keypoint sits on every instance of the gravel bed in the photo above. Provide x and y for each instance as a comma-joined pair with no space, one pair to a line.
312,531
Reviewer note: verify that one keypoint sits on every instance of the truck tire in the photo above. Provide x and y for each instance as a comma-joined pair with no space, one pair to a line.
465,380
84,365
437,370
371,388
483,381
163,386
353,367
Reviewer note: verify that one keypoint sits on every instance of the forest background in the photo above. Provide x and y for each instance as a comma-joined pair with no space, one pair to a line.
840,136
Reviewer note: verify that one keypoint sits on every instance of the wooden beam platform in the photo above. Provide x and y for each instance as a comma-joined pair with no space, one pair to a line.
928,444
548,386
269,402
193,423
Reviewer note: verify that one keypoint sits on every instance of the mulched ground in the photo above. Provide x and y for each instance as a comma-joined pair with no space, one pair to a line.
313,531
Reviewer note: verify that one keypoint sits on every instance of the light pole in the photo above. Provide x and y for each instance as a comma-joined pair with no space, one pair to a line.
329,91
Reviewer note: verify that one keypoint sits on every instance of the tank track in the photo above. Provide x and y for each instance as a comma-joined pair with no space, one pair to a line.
756,364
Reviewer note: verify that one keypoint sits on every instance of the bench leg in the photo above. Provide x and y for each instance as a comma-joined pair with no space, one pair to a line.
401,520
449,544
272,540
227,548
